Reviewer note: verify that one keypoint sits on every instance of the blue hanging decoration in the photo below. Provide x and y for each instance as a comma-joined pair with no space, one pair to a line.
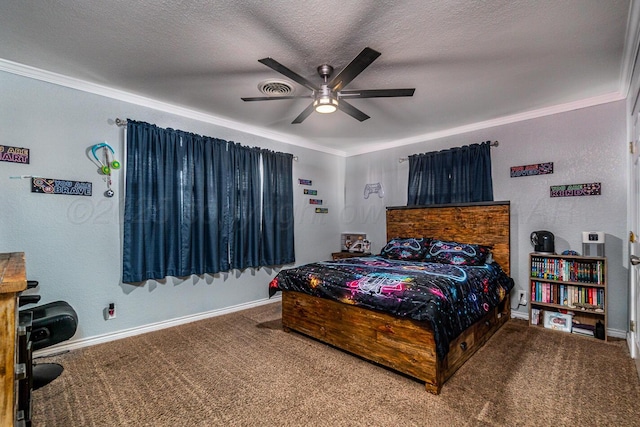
107,163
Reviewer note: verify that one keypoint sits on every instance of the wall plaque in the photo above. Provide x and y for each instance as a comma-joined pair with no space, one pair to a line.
14,154
573,190
529,170
60,186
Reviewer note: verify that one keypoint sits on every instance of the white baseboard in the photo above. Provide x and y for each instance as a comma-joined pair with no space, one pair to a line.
125,333
616,333
519,315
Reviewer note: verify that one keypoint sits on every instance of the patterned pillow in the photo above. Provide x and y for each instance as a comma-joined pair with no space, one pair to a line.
406,248
457,253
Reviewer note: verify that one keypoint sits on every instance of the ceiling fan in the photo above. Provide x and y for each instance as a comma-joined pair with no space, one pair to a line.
331,96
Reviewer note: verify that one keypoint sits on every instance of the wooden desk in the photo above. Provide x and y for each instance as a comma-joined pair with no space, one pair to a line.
13,280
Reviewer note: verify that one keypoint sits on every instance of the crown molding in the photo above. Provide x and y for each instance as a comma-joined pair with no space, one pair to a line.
120,95
533,114
62,80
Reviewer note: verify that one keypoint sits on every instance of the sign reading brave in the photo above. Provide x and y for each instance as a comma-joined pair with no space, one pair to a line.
60,186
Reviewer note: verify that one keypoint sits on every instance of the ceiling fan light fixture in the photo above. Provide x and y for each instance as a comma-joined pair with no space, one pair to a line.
325,105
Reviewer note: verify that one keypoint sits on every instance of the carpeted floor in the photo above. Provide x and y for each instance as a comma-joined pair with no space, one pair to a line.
241,369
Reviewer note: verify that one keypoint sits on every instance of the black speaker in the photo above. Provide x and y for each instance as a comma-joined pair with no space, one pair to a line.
599,333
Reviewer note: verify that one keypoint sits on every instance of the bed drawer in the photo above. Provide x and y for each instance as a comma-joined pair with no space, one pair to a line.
463,347
484,327
460,349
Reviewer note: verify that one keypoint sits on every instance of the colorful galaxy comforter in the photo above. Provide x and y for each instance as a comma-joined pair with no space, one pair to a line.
450,297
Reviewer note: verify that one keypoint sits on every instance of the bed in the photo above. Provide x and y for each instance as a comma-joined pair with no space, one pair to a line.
426,328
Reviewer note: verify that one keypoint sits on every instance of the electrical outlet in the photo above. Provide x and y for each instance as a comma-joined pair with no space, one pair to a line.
110,312
522,299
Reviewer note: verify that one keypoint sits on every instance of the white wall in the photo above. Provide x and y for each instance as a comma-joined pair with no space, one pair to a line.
587,145
73,244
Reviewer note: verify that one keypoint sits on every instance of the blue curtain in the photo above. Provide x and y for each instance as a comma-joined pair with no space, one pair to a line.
276,243
205,213
456,175
192,205
245,207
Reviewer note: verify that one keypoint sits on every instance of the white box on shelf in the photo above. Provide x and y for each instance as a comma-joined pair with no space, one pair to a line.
557,321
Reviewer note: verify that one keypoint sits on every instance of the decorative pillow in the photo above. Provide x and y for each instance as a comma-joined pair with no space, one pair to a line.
406,248
457,253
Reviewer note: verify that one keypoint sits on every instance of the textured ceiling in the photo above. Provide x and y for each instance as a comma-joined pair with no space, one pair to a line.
470,61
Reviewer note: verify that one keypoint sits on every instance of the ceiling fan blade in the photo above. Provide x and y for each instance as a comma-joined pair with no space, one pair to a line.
355,67
273,98
272,63
351,110
375,93
306,113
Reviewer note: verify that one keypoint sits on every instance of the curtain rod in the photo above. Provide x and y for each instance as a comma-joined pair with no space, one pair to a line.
491,144
123,122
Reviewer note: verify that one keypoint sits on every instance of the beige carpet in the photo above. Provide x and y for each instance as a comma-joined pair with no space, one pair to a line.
243,370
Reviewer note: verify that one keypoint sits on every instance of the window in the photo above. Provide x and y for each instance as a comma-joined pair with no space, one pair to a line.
196,204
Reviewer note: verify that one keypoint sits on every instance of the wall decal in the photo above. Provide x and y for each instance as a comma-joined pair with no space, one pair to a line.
529,170
311,192
14,154
373,188
574,190
60,186
315,201
304,181
322,210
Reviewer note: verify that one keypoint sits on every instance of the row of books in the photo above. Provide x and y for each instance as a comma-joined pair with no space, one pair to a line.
567,295
568,270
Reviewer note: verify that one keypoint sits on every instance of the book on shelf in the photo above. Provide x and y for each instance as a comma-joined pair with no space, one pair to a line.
535,316
583,329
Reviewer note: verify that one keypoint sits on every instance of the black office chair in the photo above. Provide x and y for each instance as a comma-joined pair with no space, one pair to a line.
51,324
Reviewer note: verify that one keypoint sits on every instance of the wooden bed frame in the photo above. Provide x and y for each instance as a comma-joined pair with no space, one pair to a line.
402,344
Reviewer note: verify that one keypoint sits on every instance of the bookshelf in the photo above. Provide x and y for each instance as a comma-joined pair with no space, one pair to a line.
568,293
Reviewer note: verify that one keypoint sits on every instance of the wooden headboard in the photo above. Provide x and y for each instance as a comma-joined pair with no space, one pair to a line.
484,223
